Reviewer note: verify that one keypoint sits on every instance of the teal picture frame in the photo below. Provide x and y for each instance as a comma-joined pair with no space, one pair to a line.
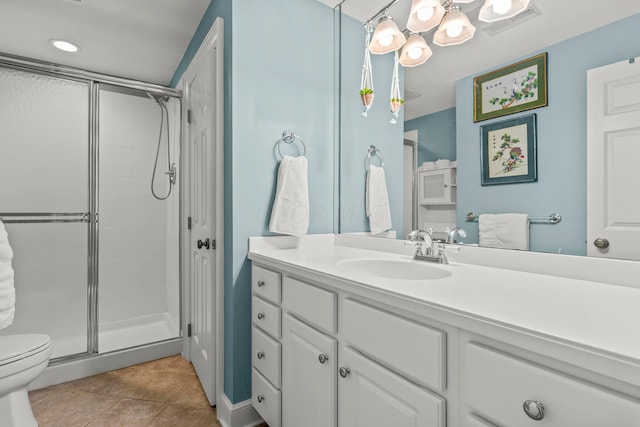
509,151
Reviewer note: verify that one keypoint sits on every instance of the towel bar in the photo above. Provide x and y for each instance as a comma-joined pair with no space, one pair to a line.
42,217
554,218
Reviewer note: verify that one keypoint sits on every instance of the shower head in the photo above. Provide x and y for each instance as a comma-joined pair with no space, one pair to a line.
159,99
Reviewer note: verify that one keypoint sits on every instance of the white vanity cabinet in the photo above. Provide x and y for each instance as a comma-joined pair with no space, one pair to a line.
357,365
437,187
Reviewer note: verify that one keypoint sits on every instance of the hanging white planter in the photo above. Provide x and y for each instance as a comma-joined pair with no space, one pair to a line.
366,81
395,99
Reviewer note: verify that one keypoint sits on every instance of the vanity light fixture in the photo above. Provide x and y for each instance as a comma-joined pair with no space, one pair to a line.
496,10
415,51
425,15
387,37
454,29
64,45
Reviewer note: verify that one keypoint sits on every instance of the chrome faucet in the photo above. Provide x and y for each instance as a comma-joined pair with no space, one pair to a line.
451,234
427,249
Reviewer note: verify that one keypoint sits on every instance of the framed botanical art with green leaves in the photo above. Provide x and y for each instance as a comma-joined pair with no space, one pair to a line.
517,87
509,152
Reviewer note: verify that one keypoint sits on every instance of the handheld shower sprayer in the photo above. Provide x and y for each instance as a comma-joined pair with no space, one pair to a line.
172,171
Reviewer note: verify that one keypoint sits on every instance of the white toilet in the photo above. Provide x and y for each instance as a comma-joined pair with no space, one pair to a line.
22,359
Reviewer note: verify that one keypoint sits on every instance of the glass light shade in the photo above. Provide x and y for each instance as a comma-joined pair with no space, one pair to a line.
415,51
387,37
454,29
496,10
64,45
424,15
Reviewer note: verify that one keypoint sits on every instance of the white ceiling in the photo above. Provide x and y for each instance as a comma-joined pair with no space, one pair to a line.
137,39
435,80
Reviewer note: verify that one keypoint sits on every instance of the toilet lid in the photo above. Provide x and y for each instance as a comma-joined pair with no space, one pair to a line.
17,347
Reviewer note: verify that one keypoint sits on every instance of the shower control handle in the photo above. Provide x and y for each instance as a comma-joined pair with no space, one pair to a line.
205,243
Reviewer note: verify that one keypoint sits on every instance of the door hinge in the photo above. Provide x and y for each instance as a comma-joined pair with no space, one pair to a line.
189,118
213,244
189,330
188,223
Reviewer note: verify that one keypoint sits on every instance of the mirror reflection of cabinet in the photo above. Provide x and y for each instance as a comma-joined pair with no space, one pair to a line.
437,187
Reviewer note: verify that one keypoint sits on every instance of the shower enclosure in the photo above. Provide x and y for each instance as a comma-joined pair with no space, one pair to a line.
96,255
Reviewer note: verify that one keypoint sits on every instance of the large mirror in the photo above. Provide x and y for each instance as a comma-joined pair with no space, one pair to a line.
438,116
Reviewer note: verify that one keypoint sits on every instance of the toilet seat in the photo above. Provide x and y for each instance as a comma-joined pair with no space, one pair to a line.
17,347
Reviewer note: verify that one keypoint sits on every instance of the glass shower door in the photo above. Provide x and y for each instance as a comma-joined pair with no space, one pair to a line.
44,199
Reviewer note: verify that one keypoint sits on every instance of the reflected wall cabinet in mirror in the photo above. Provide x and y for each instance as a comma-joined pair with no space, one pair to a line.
437,187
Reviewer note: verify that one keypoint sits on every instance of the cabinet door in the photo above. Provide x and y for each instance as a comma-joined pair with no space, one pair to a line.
309,376
370,395
437,187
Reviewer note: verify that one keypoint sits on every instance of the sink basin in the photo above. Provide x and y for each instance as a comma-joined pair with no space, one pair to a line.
401,269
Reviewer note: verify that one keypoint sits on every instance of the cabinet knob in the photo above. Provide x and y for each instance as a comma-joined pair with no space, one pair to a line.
260,283
260,398
260,316
323,358
601,243
344,372
260,355
533,409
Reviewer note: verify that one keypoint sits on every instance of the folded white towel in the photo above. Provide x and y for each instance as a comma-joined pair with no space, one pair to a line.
377,200
290,212
506,231
7,291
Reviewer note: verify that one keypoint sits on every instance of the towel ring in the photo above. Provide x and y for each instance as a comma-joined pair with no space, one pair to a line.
372,151
289,137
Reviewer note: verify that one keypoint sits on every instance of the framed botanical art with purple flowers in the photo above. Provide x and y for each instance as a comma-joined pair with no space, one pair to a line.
509,151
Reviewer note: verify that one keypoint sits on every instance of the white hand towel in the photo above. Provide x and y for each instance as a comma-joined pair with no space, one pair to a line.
377,200
7,291
506,231
290,212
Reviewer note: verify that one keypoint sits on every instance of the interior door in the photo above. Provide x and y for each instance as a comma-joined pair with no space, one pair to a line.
613,147
201,98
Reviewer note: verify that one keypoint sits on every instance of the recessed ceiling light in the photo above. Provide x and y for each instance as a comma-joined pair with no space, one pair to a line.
64,45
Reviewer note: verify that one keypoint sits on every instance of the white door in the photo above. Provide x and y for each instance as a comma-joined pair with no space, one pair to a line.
309,376
613,150
201,98
370,395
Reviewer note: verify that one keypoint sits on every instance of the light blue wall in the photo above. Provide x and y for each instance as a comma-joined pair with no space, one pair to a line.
436,135
358,132
562,136
279,73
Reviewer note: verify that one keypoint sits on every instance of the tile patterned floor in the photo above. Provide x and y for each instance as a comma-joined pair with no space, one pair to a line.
160,393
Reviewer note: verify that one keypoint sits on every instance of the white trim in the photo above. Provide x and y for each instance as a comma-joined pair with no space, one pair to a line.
239,415
213,41
93,365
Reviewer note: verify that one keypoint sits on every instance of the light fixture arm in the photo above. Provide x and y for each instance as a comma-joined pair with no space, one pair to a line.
381,12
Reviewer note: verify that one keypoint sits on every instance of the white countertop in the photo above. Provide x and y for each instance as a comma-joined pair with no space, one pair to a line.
591,315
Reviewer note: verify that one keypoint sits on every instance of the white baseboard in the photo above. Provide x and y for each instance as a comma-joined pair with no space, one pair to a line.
237,415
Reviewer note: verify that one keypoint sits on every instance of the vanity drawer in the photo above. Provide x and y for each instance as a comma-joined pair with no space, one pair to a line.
410,348
496,386
266,284
266,399
266,316
310,303
266,356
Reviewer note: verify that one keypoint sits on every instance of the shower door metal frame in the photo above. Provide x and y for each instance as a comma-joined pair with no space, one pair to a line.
93,81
